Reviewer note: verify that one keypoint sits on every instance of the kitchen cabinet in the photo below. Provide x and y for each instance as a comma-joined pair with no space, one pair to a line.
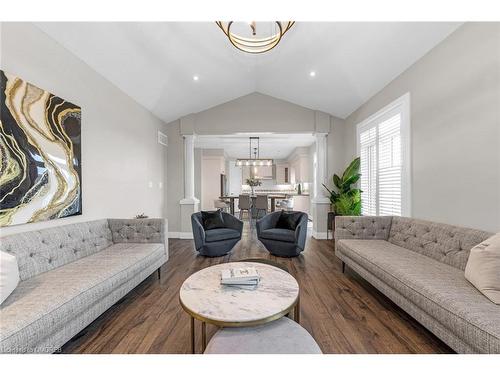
262,172
282,174
300,169
302,203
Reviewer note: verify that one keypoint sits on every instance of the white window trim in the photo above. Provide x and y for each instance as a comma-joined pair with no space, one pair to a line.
404,103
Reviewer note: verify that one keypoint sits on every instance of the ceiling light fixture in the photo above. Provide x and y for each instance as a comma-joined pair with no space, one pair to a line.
255,150
312,74
196,78
255,43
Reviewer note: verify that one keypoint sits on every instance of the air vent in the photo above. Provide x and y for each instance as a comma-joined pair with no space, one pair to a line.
162,138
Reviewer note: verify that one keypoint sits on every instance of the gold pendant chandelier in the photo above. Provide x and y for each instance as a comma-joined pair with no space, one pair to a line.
256,44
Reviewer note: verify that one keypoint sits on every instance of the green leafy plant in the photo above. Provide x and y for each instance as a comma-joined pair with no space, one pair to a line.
346,199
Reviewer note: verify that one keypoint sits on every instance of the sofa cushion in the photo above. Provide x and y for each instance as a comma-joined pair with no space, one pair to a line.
46,249
437,288
483,268
9,275
447,243
221,234
46,303
278,234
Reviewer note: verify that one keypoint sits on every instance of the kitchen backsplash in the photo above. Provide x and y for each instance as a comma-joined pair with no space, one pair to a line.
270,187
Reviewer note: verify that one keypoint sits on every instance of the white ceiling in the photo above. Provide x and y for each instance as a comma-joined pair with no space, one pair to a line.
155,63
273,146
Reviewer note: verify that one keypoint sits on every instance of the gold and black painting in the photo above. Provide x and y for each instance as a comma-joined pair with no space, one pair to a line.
40,154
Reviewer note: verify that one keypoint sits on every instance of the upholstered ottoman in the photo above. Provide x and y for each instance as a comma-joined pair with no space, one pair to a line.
283,336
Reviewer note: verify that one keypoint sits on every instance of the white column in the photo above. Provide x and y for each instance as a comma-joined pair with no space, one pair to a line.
189,197
320,172
320,201
189,204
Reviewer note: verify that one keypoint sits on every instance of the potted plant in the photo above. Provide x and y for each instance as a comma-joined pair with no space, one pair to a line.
253,182
345,198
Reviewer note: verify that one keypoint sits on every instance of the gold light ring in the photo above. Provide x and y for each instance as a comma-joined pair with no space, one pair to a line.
251,45
250,323
268,45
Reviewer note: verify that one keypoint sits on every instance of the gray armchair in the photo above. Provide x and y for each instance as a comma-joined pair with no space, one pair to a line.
219,241
282,242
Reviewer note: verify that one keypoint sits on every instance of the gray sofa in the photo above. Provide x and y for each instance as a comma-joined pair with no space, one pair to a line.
420,266
72,274
282,242
216,242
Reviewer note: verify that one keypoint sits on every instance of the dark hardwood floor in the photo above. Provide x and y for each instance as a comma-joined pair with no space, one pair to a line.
342,312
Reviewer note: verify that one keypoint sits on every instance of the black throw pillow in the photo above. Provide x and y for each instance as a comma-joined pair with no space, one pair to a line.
212,219
288,220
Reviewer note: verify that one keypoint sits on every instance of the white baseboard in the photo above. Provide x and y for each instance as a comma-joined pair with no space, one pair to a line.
319,235
181,235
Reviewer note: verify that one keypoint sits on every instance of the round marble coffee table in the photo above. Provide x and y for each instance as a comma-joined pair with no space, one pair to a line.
205,299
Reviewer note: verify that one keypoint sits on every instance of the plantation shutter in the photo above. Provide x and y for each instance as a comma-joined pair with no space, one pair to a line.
389,166
383,162
368,170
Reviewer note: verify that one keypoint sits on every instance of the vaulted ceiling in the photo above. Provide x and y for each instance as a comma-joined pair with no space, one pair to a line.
155,63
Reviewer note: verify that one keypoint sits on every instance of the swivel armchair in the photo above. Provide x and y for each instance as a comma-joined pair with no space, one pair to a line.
280,241
219,241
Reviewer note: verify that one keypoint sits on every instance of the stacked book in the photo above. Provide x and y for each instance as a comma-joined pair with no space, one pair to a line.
247,278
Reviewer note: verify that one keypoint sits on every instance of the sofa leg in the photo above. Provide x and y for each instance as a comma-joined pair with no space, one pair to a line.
159,273
343,267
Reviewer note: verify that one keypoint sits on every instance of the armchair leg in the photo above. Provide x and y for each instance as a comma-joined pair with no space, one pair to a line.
159,273
343,267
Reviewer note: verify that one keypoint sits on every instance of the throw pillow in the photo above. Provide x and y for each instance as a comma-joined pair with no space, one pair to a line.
288,220
9,275
483,268
212,219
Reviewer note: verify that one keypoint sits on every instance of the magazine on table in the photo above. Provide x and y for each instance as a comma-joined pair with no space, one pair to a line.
240,276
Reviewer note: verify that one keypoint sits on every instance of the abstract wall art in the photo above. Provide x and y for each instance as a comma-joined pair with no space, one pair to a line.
40,154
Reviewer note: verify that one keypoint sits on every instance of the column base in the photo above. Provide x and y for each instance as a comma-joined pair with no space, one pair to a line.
188,207
321,207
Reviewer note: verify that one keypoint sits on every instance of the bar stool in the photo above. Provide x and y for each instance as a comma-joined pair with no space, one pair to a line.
244,204
261,204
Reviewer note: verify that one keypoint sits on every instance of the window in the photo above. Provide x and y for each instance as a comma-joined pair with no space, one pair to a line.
383,145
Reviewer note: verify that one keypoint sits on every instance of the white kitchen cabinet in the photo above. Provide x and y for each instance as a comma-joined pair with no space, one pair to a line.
264,172
304,169
300,169
302,203
283,174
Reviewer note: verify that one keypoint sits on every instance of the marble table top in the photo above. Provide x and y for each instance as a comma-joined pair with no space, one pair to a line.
206,299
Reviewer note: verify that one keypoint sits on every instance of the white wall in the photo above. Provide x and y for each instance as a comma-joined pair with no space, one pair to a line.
120,153
256,113
455,128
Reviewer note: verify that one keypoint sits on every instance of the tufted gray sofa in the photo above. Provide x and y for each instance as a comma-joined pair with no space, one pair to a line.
71,274
420,266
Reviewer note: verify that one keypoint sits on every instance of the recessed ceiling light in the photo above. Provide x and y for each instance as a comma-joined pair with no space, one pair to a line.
196,78
312,73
